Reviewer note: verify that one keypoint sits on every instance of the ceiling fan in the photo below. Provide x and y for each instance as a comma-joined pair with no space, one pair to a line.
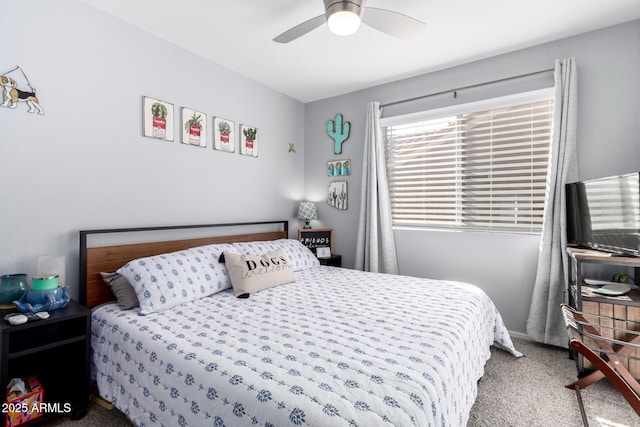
344,17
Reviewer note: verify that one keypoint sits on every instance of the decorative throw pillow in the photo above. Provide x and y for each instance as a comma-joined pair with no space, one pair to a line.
164,281
298,254
122,289
253,273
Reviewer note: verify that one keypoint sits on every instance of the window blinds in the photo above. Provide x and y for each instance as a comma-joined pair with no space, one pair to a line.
483,169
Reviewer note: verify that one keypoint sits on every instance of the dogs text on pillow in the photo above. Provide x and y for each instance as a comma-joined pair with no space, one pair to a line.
299,256
254,273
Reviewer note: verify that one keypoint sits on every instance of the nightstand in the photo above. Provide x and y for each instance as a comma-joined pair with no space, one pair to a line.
56,350
333,260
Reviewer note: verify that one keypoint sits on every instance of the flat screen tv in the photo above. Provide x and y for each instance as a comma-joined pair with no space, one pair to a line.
604,214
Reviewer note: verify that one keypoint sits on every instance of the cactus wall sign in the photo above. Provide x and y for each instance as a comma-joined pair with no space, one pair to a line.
194,127
338,194
224,136
339,131
158,119
249,140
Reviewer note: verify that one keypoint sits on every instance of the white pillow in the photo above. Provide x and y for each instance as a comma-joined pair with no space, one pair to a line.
253,273
298,254
164,281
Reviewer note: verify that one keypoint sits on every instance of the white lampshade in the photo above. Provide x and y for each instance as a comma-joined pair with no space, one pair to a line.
344,23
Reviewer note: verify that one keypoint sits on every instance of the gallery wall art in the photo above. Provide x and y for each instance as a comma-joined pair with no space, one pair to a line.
158,122
339,167
338,195
194,127
248,140
224,135
158,119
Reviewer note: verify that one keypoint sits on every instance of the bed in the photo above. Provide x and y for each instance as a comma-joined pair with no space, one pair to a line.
335,347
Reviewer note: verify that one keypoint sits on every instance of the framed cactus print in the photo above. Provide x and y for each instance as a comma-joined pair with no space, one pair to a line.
224,135
248,140
157,119
194,127
339,167
338,195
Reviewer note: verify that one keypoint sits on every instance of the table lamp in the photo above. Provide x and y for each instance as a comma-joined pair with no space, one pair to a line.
307,212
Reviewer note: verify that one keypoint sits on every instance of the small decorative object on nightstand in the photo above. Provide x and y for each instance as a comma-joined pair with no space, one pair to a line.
323,252
307,212
333,261
316,238
12,286
56,351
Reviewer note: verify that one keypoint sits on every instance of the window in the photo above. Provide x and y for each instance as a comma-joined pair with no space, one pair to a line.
477,166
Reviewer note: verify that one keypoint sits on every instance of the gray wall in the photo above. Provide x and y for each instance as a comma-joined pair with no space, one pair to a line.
504,265
85,163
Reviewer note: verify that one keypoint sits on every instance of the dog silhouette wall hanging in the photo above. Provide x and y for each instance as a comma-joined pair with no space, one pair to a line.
12,94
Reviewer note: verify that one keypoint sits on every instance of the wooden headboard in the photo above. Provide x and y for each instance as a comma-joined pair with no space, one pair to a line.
93,260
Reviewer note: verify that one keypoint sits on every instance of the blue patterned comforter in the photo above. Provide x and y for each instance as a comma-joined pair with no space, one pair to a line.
338,347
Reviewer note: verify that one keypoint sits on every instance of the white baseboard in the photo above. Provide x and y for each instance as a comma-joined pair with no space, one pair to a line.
520,335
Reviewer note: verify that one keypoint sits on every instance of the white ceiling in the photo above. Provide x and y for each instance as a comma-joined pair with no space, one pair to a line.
238,35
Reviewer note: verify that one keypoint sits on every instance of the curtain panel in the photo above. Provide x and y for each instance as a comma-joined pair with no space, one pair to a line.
375,245
545,323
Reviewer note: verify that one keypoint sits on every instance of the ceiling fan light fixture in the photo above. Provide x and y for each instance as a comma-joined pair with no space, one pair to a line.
344,23
343,17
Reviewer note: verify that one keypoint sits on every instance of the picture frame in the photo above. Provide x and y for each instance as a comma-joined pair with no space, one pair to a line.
224,135
314,238
338,196
339,167
194,127
249,137
323,252
157,119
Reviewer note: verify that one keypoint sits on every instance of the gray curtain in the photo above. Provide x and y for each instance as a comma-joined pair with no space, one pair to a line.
375,246
545,323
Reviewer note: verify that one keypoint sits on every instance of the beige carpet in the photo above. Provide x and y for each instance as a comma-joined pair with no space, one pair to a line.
528,391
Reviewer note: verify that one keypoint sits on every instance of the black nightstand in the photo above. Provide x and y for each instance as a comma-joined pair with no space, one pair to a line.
56,350
333,260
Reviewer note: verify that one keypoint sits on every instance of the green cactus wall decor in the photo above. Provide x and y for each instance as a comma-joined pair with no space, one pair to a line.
338,195
194,127
339,131
339,167
157,118
249,140
224,138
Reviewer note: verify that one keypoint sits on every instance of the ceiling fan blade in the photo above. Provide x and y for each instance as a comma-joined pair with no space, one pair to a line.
392,23
300,29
